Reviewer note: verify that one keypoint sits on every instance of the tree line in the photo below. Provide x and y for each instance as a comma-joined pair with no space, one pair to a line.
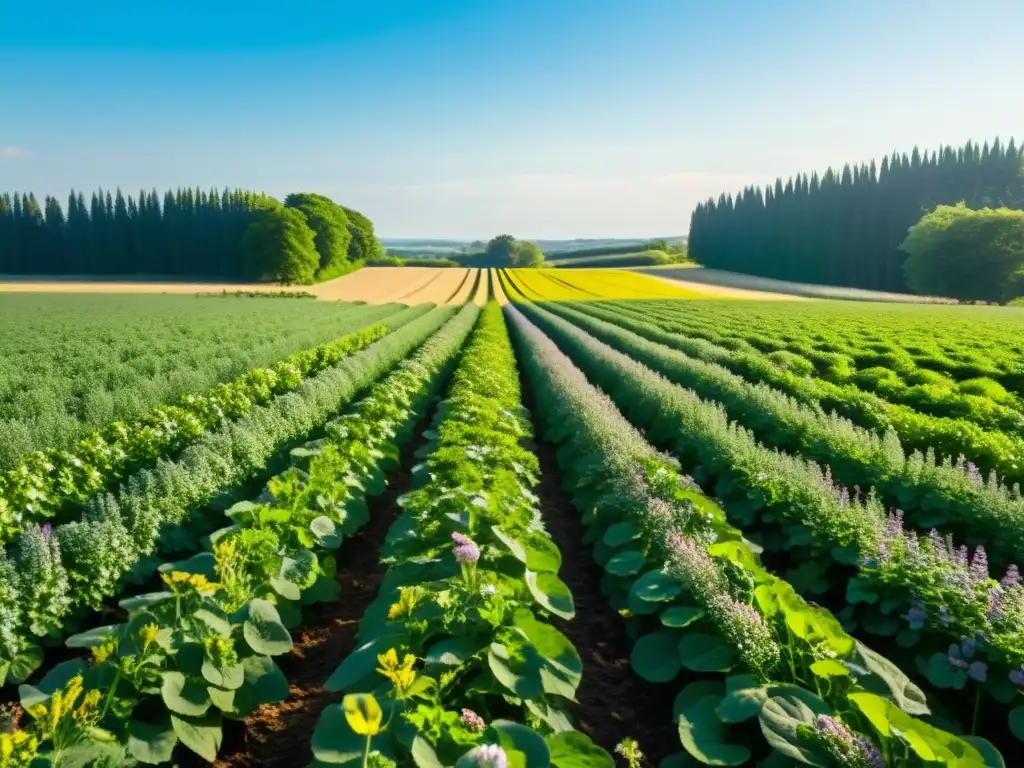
233,234
846,227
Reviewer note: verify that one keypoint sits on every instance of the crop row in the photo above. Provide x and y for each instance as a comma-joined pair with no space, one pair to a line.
762,674
950,363
72,363
888,371
54,483
54,577
989,450
472,576
951,497
915,592
200,650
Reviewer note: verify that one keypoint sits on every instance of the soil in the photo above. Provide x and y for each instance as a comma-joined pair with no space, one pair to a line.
613,701
278,735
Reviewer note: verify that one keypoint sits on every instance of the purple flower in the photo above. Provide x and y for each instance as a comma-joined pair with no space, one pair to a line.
1017,676
1012,577
973,473
47,529
961,556
994,609
471,721
978,671
466,554
916,616
958,663
894,524
833,729
489,756
872,756
459,538
979,565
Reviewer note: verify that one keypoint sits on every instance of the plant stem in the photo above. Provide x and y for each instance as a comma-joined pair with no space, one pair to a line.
366,752
110,696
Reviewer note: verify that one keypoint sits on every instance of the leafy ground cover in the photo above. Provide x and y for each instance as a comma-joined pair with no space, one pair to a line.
57,577
920,593
761,674
989,449
55,483
68,364
201,650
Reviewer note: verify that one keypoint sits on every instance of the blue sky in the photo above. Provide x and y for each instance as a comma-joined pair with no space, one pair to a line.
543,118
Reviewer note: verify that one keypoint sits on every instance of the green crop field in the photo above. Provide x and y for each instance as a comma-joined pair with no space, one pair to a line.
652,531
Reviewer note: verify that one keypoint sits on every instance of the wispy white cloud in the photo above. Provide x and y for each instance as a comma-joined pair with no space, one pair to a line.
11,151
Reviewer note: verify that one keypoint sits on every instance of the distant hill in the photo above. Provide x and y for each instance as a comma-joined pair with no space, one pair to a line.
603,246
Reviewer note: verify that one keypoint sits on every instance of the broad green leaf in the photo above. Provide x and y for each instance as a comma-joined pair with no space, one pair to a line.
656,587
200,734
681,615
1016,722
700,729
514,736
892,682
230,678
705,653
574,749
620,534
184,696
782,714
263,630
551,593
655,657
151,743
452,651
625,563
325,532
543,555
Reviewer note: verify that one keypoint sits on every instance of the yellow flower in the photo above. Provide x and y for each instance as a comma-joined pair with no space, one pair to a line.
224,549
148,635
38,712
102,652
17,748
407,601
199,582
56,710
89,707
363,713
402,675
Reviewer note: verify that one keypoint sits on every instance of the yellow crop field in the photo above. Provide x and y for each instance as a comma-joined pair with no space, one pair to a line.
584,284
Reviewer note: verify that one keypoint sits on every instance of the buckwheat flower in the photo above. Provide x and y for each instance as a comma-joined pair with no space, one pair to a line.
1012,577
872,757
979,565
894,524
832,728
488,590
467,554
471,721
994,608
489,756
